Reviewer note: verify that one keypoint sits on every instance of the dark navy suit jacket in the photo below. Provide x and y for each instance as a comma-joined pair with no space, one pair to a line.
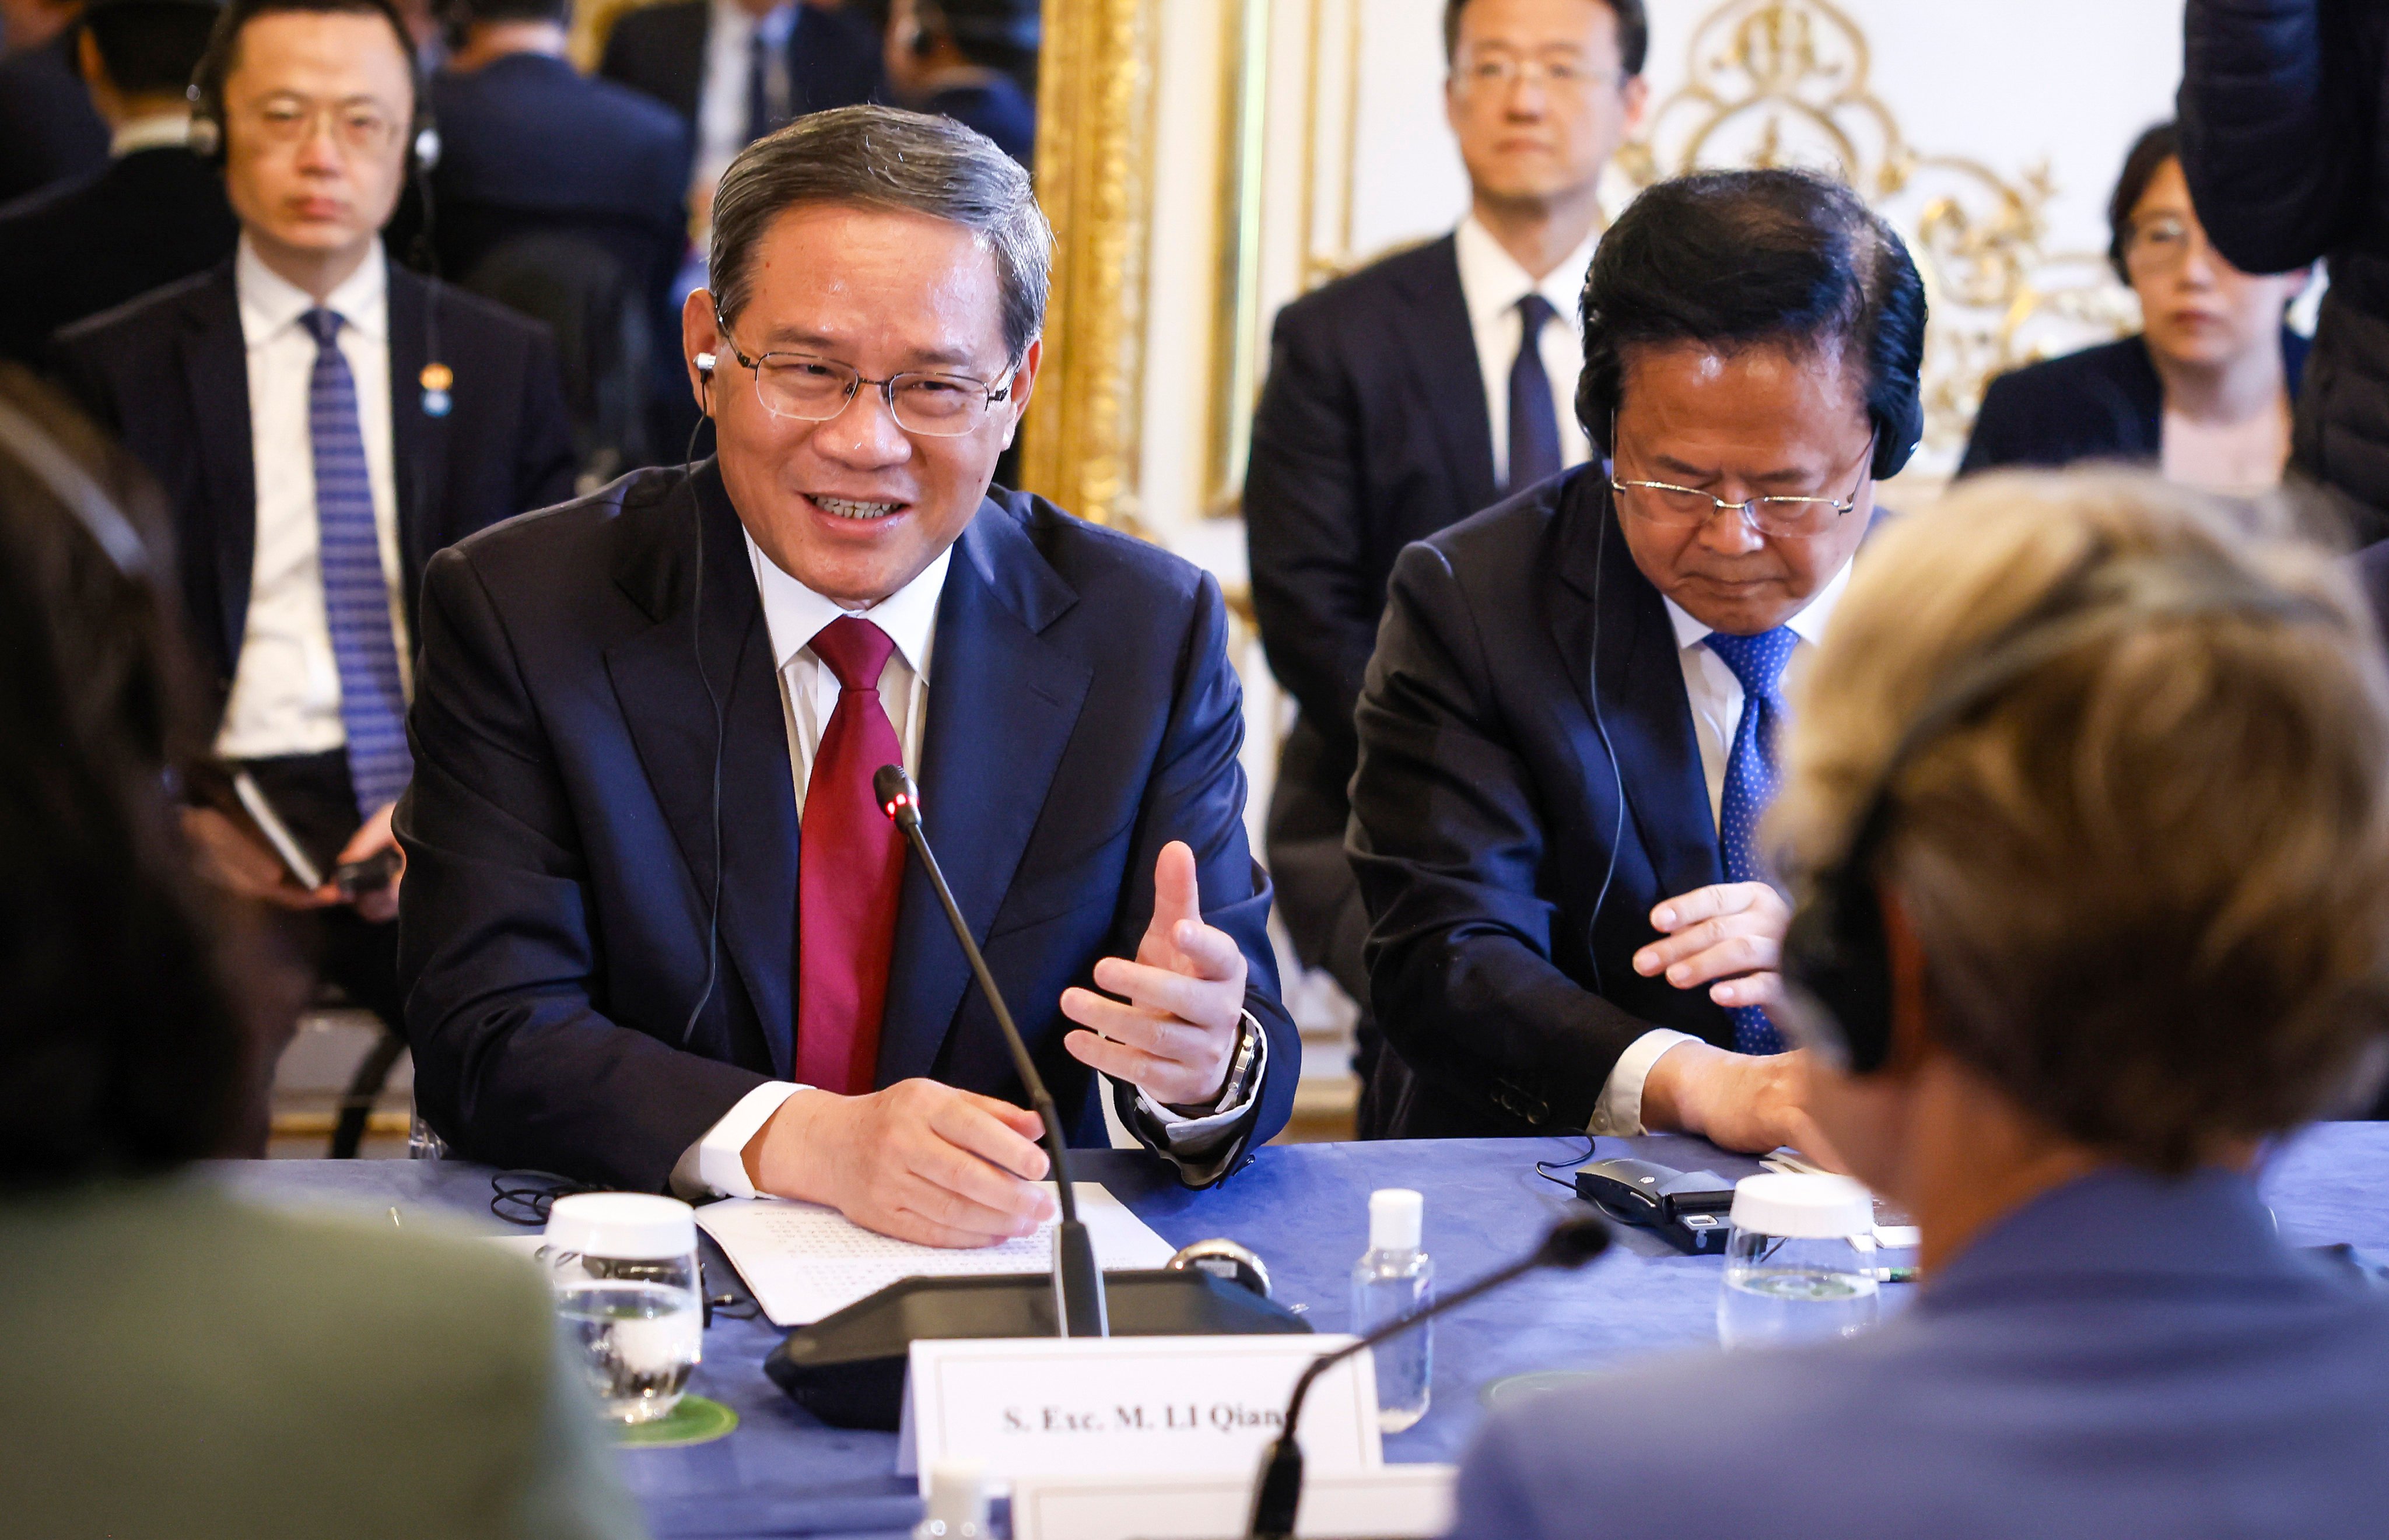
1485,805
834,58
168,374
2101,403
2123,1358
559,831
144,219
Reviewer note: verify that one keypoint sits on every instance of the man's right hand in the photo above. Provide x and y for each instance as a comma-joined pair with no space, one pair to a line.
919,1160
1735,1101
236,863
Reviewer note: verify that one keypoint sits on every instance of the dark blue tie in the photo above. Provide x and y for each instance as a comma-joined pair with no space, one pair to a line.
1534,423
759,91
356,592
1757,662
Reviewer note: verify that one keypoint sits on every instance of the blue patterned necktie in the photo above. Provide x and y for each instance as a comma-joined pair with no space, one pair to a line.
356,592
1534,421
1757,662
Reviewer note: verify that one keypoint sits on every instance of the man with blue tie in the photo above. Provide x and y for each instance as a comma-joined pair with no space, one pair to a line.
323,422
1569,727
1407,396
659,930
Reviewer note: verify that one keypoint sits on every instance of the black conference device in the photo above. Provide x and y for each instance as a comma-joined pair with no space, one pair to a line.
1692,1209
1572,1242
847,1369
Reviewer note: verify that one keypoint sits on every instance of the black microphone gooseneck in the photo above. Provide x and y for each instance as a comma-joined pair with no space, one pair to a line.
1572,1242
1077,1282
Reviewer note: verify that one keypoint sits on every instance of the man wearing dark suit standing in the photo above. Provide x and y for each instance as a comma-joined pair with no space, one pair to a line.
323,422
734,70
658,927
1567,731
1406,397
155,213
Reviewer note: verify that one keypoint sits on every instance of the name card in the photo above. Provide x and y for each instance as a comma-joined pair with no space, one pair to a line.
1393,1502
1089,1406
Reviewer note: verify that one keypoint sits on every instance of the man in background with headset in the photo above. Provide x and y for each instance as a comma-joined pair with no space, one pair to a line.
323,421
1569,729
2058,1016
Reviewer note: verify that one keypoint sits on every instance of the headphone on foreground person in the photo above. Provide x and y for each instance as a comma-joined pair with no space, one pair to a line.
1836,956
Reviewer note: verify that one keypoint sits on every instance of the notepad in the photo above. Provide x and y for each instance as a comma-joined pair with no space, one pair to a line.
802,1261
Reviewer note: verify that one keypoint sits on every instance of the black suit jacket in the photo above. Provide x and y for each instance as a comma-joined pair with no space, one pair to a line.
1483,810
146,219
49,130
2101,403
529,144
834,58
168,375
553,937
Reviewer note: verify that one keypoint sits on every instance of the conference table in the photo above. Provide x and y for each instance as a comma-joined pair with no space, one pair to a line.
1304,1209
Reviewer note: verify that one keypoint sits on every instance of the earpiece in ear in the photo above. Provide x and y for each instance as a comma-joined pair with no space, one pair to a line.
705,365
426,148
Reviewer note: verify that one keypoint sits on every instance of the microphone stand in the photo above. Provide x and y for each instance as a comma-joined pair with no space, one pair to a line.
1078,1281
1572,1242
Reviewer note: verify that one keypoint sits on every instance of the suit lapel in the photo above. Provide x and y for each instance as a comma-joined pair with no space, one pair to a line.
1443,356
215,374
418,441
664,698
1003,703
1640,684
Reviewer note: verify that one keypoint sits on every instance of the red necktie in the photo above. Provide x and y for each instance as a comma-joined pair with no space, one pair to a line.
850,869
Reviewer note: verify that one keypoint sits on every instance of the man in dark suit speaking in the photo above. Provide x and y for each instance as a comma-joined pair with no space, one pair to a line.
653,717
1568,732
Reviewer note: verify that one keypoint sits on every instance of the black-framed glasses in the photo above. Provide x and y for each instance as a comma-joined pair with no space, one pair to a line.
1664,502
813,389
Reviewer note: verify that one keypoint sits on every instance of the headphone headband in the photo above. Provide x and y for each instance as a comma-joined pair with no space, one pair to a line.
50,463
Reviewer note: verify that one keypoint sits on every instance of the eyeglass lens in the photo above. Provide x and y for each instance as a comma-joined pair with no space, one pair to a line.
813,389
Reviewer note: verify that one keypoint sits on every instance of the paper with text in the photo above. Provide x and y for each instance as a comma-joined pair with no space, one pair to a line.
802,1261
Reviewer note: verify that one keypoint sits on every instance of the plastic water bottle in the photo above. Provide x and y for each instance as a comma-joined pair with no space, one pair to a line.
1392,1280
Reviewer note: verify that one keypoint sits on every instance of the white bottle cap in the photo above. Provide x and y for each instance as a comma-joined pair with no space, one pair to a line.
957,1499
634,1227
1395,1215
1802,1206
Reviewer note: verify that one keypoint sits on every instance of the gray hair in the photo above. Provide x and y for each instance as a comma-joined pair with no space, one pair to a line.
883,158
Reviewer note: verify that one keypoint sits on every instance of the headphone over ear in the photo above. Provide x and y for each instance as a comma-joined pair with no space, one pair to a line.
1836,958
206,91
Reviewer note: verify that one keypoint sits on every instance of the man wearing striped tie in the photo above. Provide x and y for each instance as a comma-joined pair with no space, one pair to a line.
1568,732
324,422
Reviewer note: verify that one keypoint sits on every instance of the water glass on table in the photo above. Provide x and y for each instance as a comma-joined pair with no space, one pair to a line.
1800,1263
624,1270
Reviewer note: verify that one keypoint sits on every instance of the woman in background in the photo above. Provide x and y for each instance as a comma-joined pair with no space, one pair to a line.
188,1365
2203,390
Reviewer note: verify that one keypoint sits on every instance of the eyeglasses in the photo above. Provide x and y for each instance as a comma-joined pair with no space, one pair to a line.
811,390
1501,71
358,127
2157,244
1664,502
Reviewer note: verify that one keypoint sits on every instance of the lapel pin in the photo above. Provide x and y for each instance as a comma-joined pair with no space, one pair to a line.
436,379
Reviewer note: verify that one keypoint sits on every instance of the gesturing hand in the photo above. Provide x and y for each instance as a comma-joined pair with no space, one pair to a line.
1728,935
1176,1034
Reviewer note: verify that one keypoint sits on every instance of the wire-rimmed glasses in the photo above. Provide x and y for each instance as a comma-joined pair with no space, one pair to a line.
810,388
1785,517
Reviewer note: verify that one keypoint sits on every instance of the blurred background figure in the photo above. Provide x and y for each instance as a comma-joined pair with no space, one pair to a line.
1407,396
155,212
563,198
278,1376
2284,120
48,129
735,70
2071,1014
972,60
2203,391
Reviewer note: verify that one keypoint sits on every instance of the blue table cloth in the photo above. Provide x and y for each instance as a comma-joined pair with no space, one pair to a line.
1304,1208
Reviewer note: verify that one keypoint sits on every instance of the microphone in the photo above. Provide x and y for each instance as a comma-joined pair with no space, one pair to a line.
1077,1282
1572,1242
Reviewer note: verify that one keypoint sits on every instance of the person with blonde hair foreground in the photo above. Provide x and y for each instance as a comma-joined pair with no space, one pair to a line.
2087,814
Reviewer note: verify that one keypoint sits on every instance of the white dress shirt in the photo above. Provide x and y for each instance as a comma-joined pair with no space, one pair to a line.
1716,701
150,131
808,693
1492,283
285,690
721,124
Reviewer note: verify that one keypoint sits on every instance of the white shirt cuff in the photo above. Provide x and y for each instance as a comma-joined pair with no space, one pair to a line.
1184,1133
1620,1111
715,1167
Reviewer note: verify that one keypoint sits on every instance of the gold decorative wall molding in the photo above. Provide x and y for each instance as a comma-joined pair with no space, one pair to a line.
1094,131
1784,83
